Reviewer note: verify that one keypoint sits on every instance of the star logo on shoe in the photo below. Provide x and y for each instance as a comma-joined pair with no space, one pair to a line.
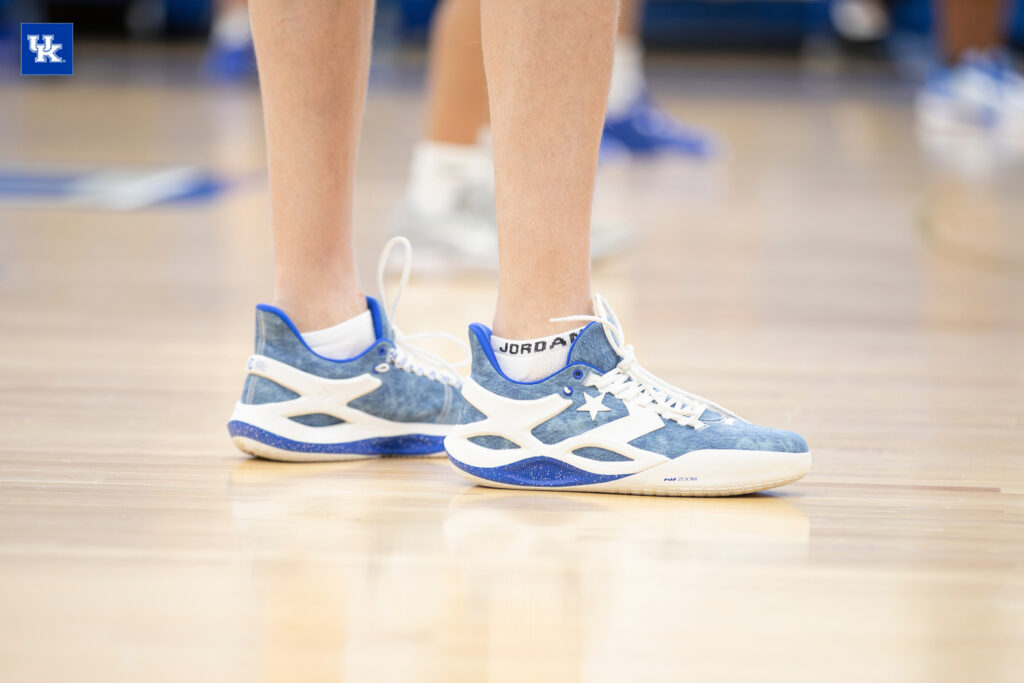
593,405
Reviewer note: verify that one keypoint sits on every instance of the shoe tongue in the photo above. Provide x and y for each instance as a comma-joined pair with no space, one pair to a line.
381,324
592,347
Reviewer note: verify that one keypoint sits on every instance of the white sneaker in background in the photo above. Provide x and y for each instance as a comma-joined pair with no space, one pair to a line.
981,94
449,211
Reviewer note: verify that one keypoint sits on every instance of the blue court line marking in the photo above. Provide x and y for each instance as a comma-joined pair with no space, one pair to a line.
34,184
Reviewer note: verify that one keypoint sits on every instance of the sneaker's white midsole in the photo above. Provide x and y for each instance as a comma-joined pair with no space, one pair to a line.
696,469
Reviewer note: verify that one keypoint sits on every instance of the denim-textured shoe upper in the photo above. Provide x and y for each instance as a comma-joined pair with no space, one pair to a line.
591,352
402,396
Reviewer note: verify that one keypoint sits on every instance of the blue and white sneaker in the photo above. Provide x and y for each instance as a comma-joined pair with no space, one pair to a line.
604,424
391,399
645,130
983,93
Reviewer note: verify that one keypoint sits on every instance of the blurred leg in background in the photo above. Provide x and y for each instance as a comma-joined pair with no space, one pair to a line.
978,89
449,202
970,26
457,89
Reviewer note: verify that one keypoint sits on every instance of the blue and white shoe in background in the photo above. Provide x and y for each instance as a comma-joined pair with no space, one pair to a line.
643,129
391,399
230,63
983,93
230,56
604,424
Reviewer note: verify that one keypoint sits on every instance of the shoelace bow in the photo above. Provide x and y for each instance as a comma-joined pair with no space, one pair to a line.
630,382
405,355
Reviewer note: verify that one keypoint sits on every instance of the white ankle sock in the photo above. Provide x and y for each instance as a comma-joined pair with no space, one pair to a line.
440,171
628,81
532,359
344,340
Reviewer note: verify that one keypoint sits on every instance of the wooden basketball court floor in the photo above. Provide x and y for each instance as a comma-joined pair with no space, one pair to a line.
828,273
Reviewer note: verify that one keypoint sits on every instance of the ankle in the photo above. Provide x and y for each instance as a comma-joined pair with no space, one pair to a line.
533,320
319,312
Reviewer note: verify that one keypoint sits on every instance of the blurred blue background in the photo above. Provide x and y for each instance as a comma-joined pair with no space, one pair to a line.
681,24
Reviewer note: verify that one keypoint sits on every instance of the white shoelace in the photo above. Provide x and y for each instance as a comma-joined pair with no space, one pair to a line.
629,382
405,355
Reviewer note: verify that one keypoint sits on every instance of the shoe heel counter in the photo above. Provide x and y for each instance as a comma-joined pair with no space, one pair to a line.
276,336
273,337
484,368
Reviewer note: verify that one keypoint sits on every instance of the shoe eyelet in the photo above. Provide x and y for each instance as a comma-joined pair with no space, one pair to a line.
577,373
382,350
381,368
567,390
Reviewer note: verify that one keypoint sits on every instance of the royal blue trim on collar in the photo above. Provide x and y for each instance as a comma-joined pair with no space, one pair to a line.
377,328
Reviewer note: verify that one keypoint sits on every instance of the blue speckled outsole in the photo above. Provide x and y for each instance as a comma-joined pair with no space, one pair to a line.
407,444
536,472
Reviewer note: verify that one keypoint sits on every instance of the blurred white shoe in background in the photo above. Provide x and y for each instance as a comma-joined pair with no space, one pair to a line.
449,211
982,93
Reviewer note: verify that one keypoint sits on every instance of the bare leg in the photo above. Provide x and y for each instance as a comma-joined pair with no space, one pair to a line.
629,17
313,109
548,65
457,92
970,24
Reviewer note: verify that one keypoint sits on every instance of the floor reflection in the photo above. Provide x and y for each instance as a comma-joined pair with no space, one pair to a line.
572,578
360,577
